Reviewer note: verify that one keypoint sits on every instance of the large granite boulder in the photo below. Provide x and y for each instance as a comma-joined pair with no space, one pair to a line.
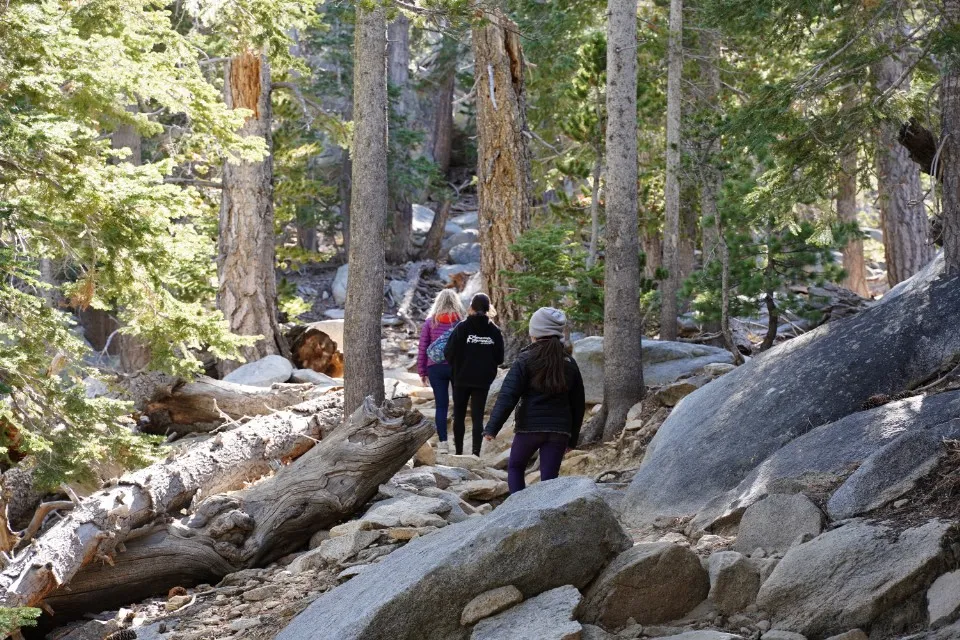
652,583
553,534
664,362
825,455
722,432
261,373
846,578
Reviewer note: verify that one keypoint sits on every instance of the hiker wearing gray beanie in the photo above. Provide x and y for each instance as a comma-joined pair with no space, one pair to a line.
545,383
547,322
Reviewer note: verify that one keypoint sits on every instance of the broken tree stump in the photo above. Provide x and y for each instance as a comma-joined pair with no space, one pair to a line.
257,525
313,349
93,532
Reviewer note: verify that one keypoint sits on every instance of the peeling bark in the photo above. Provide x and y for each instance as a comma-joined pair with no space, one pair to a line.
247,295
503,163
903,217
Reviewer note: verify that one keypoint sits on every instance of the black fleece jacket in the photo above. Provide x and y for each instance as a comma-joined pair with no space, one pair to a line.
474,351
538,412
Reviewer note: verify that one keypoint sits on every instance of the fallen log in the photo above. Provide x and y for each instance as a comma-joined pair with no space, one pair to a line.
312,348
205,403
253,527
102,522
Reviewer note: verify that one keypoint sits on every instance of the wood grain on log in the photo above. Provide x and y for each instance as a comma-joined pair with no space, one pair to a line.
414,271
206,403
272,518
104,520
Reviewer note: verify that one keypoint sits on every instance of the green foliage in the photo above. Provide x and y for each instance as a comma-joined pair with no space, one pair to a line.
13,619
124,240
557,276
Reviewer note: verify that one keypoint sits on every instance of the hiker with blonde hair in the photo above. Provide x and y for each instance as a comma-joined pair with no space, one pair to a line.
446,312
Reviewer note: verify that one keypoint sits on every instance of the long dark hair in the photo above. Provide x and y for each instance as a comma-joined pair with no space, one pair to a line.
547,367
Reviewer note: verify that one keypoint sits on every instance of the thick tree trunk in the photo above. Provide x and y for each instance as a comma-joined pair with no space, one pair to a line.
400,232
670,287
346,194
903,217
94,532
595,208
253,527
853,264
503,163
442,138
950,141
205,403
622,375
245,265
363,364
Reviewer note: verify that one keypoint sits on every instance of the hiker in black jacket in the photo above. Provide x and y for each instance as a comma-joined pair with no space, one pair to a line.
474,351
547,385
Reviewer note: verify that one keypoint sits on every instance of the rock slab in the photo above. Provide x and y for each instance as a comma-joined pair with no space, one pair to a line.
943,599
734,581
776,521
847,577
549,616
738,421
262,373
550,535
490,603
886,475
651,583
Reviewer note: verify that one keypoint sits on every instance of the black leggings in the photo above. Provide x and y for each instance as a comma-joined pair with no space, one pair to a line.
477,396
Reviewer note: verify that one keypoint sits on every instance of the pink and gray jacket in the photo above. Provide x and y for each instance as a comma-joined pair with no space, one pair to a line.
430,332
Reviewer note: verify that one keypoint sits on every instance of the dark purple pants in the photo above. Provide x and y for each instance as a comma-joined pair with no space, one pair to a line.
552,446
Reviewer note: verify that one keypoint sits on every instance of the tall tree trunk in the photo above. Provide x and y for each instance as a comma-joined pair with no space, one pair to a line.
134,354
906,246
346,194
853,264
671,233
400,234
245,265
503,164
442,144
622,374
950,141
363,364
709,175
595,207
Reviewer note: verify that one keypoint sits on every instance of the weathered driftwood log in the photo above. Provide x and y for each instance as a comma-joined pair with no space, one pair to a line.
207,403
414,271
95,530
272,518
313,349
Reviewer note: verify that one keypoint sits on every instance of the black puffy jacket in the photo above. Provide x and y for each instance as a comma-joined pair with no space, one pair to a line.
539,412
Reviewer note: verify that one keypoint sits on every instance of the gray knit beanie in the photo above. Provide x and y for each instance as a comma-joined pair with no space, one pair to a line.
547,322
